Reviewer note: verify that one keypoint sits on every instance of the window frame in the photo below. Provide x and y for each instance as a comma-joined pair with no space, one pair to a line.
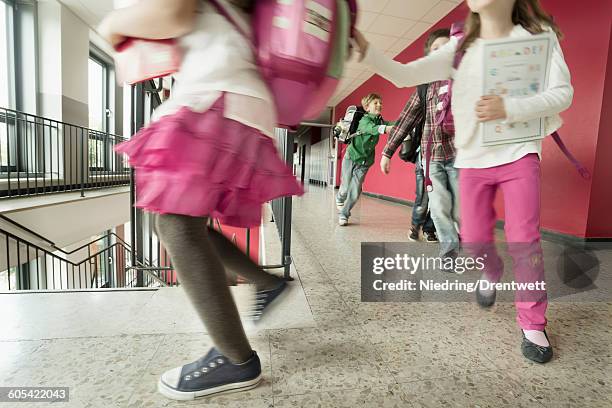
99,57
11,47
16,146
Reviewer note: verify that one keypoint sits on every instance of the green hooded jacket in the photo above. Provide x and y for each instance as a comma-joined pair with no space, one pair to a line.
363,146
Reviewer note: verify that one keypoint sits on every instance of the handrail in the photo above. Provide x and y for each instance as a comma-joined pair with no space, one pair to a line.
26,229
148,272
314,124
121,241
281,266
151,268
47,156
51,243
45,251
155,88
3,109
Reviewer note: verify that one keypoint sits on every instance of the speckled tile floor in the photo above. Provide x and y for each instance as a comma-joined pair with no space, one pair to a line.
343,354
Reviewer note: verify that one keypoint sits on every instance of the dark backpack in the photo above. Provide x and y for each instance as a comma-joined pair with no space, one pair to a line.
412,141
346,128
357,116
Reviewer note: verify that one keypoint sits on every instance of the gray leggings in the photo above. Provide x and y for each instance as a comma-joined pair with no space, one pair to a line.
200,255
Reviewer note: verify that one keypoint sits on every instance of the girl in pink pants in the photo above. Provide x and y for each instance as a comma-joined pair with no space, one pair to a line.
519,182
512,168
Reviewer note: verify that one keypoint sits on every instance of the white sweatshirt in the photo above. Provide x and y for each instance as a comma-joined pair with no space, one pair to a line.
467,92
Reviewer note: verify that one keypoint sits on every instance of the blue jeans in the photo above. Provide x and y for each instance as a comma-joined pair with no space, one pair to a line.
420,212
353,176
444,203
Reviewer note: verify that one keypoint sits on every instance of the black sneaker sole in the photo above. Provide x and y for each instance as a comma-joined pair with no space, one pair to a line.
174,394
485,302
535,353
536,356
275,300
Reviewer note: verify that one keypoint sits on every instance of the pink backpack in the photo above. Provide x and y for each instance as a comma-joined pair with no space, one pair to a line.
299,46
444,117
139,60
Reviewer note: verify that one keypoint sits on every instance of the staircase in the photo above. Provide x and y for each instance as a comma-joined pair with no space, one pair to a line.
68,158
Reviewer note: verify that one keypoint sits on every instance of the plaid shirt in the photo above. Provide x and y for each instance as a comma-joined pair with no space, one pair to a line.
442,144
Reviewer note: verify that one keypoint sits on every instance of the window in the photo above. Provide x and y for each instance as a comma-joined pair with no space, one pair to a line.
18,79
98,100
102,265
5,84
4,55
18,69
99,109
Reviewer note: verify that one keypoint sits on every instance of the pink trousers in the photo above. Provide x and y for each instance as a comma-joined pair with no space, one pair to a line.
520,184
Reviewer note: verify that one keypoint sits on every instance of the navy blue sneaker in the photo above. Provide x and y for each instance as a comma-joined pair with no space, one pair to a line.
263,298
212,374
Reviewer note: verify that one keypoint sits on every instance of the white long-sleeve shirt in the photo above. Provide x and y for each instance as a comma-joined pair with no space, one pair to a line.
467,91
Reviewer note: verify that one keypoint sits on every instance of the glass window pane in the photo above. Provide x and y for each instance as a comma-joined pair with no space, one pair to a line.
96,96
8,142
96,153
4,68
26,35
3,144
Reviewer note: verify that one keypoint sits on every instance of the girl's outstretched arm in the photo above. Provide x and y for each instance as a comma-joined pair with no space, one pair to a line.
434,67
150,19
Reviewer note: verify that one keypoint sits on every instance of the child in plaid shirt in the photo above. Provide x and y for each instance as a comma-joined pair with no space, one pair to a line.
444,199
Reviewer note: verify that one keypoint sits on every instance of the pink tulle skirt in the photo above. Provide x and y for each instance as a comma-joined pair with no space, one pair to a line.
203,164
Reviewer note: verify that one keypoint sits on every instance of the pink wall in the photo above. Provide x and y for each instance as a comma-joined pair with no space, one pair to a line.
565,196
600,216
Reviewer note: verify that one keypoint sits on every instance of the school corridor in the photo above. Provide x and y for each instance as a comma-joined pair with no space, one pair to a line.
320,347
91,301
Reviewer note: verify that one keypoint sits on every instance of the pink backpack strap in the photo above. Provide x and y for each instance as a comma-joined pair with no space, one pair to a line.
437,123
579,166
353,10
223,11
457,31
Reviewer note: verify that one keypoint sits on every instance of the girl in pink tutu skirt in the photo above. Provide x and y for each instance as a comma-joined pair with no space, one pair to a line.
207,153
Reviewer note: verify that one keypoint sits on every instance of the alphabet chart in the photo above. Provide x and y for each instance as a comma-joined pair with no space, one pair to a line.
518,69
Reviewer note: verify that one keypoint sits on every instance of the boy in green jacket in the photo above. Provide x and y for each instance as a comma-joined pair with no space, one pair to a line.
360,155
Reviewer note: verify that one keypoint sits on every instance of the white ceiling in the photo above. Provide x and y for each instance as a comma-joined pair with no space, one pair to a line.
390,25
91,11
